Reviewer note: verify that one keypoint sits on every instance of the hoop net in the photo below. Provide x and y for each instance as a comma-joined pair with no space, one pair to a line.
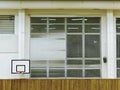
21,73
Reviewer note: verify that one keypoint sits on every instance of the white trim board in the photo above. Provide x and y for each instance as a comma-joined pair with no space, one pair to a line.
59,5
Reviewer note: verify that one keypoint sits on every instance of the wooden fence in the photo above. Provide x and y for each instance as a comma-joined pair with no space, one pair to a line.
60,84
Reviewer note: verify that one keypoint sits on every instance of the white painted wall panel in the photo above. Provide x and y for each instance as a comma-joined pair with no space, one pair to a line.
8,43
5,64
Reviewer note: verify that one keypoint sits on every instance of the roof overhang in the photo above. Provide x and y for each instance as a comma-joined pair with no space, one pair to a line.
59,0
59,5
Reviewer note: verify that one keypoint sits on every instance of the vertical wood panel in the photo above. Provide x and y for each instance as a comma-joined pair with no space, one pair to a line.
43,85
24,84
88,84
31,85
49,85
1,85
109,84
71,84
56,84
6,85
118,83
76,85
65,84
16,84
103,84
60,84
95,85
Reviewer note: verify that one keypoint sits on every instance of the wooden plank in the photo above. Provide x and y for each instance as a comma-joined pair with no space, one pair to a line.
71,84
95,84
16,84
1,85
103,84
60,84
49,84
24,84
34,84
43,85
6,85
75,84
59,0
65,84
118,84
88,84
56,84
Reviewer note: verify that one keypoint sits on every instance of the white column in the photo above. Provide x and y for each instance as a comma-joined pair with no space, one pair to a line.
111,45
21,34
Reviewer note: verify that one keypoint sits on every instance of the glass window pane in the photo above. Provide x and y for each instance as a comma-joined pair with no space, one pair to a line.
56,63
38,20
92,73
118,20
6,24
118,63
92,28
74,28
74,64
74,19
56,73
92,63
118,46
38,28
56,20
56,29
118,72
118,28
118,25
38,63
92,46
38,72
74,73
74,46
92,19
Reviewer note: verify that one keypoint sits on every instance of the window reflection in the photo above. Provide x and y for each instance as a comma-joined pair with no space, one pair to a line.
56,20
56,29
74,46
92,28
92,20
74,20
74,28
92,46
6,24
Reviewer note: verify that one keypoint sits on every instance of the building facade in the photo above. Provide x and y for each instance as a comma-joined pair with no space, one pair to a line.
62,39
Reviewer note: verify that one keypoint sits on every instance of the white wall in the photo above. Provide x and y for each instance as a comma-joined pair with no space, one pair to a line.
5,64
10,46
8,51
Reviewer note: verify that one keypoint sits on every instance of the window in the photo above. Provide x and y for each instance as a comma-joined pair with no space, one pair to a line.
65,47
118,45
6,24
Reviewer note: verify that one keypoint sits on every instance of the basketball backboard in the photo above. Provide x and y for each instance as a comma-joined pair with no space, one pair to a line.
20,66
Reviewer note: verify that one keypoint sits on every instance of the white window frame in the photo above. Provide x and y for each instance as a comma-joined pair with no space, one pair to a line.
13,13
86,14
116,15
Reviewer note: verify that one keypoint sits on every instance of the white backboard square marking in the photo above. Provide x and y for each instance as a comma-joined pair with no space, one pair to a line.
20,68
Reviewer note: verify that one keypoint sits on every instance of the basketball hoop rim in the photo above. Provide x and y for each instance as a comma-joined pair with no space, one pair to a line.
20,72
